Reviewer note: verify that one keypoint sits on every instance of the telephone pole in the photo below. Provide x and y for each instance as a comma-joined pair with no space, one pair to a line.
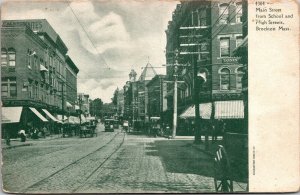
175,65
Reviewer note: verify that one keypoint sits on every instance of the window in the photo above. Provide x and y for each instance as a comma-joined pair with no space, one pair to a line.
12,57
239,12
9,87
223,13
239,76
203,46
202,17
224,79
3,57
224,47
239,40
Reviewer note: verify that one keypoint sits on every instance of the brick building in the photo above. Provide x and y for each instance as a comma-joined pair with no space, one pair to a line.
206,34
157,103
33,73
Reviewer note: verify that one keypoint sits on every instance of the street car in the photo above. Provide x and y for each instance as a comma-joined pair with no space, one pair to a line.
109,124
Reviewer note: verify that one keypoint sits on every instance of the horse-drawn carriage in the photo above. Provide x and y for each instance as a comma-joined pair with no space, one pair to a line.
88,127
231,163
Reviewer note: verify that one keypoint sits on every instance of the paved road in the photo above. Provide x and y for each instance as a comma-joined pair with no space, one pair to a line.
110,162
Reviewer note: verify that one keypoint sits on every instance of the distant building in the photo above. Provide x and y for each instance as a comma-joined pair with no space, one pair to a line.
84,103
33,73
71,84
157,103
120,103
142,97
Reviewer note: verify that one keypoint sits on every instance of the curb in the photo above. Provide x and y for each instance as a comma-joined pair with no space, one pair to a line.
10,147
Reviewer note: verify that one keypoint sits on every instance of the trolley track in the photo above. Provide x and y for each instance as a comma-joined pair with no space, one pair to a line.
77,162
100,166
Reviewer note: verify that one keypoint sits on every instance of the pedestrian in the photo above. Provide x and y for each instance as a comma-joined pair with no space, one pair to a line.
22,135
223,130
35,134
44,129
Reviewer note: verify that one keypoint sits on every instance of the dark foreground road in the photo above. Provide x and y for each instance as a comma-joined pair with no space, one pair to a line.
110,162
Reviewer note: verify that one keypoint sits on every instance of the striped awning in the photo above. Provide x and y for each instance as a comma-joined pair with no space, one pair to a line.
205,111
11,114
50,115
38,114
229,109
83,119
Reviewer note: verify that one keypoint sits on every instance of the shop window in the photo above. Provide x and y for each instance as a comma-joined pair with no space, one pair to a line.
224,79
239,76
3,57
224,47
11,57
9,87
239,12
223,13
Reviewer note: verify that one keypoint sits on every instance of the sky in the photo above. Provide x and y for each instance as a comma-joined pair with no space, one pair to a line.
106,39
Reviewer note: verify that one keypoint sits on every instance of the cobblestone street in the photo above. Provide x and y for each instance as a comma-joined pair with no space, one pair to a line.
110,162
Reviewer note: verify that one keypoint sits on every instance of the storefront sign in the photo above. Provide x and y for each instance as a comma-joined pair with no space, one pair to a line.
35,26
231,60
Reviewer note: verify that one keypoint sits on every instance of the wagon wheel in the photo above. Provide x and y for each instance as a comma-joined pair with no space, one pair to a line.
222,177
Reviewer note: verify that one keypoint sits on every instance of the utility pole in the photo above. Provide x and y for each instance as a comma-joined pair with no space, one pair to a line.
175,65
133,107
196,102
175,100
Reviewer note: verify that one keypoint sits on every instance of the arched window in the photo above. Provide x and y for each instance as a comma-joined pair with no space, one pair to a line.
239,12
224,79
11,57
223,13
3,57
239,75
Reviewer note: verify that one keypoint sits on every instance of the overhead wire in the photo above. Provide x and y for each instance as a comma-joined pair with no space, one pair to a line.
86,33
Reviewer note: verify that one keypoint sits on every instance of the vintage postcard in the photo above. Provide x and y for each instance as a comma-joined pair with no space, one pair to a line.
160,96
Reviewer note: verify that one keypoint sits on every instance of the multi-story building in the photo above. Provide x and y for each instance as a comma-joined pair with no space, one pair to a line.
84,103
33,71
157,90
142,95
130,98
120,103
206,33
71,84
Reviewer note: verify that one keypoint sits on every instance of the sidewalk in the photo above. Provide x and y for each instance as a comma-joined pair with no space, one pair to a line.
212,147
29,142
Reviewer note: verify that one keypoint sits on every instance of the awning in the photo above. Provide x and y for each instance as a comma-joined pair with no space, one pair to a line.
76,120
71,120
38,114
43,68
69,105
11,114
83,119
50,115
59,117
205,111
154,118
90,118
229,109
